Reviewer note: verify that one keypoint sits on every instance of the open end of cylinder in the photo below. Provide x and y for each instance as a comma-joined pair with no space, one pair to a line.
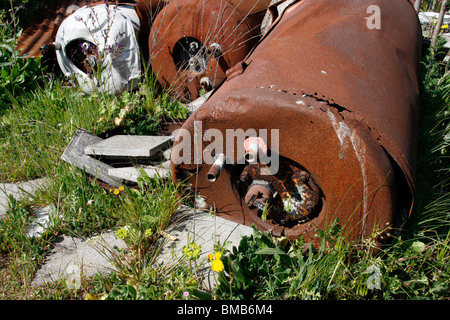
254,147
211,177
251,157
216,168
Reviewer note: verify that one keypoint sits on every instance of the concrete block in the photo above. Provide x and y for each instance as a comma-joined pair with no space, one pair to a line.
129,146
74,258
75,155
132,173
18,191
206,230
44,219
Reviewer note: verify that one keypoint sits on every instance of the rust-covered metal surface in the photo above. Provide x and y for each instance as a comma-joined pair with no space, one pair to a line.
339,102
193,42
189,43
52,13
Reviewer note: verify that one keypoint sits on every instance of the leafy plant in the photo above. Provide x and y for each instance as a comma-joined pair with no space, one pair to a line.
18,73
253,266
147,210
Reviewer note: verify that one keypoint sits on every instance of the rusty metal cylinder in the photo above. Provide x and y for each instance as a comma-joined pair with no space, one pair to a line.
216,168
335,96
193,39
51,13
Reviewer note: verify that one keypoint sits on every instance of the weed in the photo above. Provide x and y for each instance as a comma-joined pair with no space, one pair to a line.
17,74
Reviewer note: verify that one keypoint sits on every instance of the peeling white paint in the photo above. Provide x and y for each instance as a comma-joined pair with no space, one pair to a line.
343,131
360,152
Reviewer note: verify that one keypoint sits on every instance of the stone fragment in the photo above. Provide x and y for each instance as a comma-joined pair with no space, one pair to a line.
132,173
44,217
73,259
75,155
18,191
205,229
124,146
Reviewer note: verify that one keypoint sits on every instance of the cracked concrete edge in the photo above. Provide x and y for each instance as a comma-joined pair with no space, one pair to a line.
19,191
191,225
73,259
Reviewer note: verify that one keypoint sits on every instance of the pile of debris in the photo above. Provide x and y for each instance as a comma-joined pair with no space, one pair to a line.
118,160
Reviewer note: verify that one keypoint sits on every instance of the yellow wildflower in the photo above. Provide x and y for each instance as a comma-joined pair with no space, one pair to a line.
122,233
217,265
192,251
90,297
116,192
148,232
121,188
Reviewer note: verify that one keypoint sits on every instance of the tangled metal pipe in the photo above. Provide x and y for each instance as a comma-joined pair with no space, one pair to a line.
342,95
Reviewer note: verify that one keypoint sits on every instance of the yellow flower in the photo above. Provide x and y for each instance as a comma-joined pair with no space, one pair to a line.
122,233
217,265
148,232
192,251
445,26
121,188
116,192
90,297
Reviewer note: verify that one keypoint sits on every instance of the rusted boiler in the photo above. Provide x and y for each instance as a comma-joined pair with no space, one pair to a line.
188,43
193,42
318,122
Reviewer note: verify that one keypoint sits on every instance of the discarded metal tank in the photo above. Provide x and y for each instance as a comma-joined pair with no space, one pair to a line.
98,43
52,13
191,45
193,42
318,122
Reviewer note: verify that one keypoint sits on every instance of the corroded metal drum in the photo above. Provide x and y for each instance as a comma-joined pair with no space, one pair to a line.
99,44
193,42
48,18
319,122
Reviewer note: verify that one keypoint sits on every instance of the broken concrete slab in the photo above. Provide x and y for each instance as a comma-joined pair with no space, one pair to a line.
18,191
124,146
75,155
133,173
72,259
44,219
206,230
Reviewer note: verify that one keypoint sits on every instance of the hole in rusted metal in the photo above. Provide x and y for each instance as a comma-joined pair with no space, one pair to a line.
290,197
189,54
